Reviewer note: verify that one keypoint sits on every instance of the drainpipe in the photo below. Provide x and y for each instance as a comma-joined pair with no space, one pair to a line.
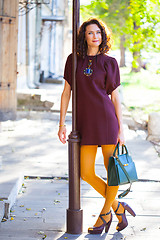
37,45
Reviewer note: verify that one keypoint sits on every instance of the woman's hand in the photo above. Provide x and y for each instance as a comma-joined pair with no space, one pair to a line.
62,134
120,138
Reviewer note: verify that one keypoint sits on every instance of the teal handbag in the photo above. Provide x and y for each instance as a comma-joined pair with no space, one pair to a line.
121,169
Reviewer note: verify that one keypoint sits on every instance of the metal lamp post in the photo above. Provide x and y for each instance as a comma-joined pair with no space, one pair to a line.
74,212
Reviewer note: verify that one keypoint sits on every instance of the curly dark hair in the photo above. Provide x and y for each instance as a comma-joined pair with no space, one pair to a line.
82,44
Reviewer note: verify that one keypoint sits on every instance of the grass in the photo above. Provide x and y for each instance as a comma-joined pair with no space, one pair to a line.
145,79
141,92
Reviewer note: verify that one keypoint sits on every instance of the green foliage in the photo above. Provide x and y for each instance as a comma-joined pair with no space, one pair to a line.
96,9
138,20
145,15
134,63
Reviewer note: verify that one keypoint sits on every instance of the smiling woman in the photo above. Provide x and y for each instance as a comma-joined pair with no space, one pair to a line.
99,117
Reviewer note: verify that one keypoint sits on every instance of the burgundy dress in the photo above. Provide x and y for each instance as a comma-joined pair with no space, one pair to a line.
96,119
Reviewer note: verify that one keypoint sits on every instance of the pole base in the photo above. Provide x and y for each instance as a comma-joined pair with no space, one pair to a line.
74,221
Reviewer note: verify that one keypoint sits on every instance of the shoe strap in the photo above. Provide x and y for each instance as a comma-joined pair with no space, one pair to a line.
105,214
119,214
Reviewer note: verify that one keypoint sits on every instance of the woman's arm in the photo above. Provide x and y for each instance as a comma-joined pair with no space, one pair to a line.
117,105
65,97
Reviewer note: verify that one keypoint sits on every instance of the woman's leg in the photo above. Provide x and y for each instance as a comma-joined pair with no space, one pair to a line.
111,191
107,151
87,162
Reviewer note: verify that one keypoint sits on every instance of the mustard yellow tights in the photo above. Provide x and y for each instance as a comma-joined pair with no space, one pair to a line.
87,162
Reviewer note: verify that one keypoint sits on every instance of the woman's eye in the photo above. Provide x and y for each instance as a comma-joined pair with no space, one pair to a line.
98,32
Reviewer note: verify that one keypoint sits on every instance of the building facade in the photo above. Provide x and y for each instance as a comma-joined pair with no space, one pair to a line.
44,41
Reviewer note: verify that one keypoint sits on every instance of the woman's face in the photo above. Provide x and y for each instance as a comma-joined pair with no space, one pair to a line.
93,35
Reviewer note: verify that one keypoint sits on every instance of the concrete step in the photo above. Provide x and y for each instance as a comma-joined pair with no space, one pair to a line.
8,194
1,209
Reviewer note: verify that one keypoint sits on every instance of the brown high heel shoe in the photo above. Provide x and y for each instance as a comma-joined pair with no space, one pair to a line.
124,223
99,230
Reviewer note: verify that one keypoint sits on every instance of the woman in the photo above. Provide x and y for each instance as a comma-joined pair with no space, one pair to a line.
99,117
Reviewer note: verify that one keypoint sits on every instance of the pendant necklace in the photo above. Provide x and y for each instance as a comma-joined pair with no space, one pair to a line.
88,71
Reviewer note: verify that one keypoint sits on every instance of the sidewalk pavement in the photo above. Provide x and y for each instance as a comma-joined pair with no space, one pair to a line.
30,147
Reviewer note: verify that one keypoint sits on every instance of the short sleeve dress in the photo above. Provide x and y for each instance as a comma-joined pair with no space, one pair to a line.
96,119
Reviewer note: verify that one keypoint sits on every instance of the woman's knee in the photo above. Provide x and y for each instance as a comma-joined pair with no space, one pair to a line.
88,154
87,176
84,175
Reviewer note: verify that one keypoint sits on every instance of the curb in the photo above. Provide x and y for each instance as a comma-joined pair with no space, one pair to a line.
7,202
1,210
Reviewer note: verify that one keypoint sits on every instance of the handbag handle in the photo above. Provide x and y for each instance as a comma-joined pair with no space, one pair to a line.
117,149
124,147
